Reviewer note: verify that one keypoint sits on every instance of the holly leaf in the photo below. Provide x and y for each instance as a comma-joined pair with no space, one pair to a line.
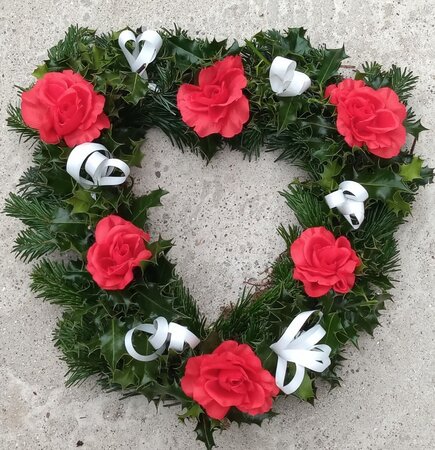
204,431
382,184
330,64
414,127
40,71
398,204
136,87
191,413
287,111
112,343
411,171
152,302
306,391
234,415
81,201
330,171
142,204
209,146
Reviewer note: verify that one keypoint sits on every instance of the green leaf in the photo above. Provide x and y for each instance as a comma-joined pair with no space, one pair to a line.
411,171
40,71
204,431
81,201
330,171
398,204
330,64
112,343
142,204
136,87
305,391
382,184
192,413
152,302
234,415
209,146
287,111
414,127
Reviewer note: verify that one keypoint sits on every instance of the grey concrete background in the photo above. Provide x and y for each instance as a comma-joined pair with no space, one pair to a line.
223,218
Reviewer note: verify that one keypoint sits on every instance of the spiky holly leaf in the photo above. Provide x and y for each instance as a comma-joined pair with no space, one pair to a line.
411,171
204,431
414,127
138,210
382,184
306,390
235,415
330,171
288,111
81,201
136,87
330,64
112,342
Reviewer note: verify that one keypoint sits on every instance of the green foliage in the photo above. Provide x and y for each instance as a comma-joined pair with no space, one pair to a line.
61,216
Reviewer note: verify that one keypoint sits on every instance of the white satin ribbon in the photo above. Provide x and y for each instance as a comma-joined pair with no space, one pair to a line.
146,47
285,80
301,348
349,200
96,161
163,335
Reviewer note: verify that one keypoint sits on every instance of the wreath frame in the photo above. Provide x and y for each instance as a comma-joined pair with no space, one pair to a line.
60,215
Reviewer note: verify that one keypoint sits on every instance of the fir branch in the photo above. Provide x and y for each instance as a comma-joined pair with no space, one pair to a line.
61,283
308,208
33,212
16,123
31,244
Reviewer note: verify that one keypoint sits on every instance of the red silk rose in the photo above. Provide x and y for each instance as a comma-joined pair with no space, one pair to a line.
217,104
119,248
230,376
368,116
63,105
323,262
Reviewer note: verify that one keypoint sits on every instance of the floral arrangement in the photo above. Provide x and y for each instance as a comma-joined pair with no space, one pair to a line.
127,317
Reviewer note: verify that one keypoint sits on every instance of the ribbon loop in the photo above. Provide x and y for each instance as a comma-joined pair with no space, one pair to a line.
98,165
146,46
349,200
302,349
285,80
172,335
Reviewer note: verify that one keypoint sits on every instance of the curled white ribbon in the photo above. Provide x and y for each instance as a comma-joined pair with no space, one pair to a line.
301,348
163,335
96,161
349,200
285,80
146,47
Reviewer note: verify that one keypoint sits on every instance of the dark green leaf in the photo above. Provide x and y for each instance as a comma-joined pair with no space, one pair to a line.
330,64
112,342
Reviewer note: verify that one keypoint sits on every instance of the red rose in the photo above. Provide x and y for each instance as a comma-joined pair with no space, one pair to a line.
119,248
63,105
323,262
217,104
368,116
339,92
230,376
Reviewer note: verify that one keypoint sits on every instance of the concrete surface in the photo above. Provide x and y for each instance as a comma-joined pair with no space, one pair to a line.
223,218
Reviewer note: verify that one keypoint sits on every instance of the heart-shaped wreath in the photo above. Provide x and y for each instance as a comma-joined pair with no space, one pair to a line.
128,319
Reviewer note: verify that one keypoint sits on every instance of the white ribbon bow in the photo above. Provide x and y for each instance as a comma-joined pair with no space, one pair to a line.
349,200
142,55
162,333
301,348
285,80
98,164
